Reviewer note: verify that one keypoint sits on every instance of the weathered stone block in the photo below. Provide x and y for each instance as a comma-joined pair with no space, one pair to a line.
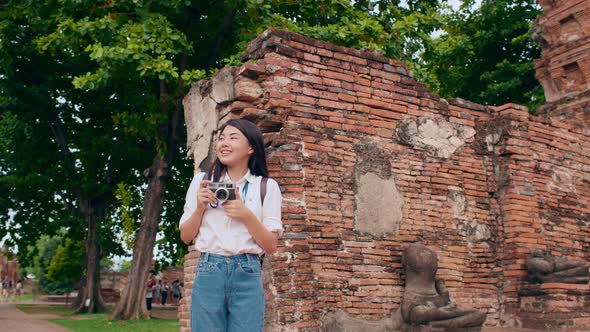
437,136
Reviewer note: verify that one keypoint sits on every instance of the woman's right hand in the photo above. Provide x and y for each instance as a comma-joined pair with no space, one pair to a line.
205,196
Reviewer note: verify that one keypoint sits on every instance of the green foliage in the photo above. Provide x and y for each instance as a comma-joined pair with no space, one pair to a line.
486,54
194,75
171,249
45,266
116,42
44,250
106,263
65,266
125,265
128,213
45,186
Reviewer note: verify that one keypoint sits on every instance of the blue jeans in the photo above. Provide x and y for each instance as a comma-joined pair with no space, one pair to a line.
227,294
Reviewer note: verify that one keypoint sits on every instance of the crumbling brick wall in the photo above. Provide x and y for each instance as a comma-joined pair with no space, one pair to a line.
370,161
9,268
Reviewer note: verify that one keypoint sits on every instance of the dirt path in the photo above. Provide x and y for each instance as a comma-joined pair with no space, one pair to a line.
14,320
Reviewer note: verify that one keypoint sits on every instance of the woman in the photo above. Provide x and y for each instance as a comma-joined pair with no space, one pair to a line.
232,235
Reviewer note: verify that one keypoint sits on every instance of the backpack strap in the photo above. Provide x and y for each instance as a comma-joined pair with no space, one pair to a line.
263,190
263,183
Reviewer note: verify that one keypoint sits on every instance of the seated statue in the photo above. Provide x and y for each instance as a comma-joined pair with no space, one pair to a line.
426,305
543,268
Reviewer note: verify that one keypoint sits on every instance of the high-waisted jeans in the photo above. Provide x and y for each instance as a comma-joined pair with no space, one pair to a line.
227,294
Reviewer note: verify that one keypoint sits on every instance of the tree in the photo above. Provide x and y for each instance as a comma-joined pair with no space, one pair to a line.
55,263
44,250
485,54
58,162
65,267
133,50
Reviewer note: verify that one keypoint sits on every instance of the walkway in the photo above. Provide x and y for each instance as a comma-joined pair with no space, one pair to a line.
14,320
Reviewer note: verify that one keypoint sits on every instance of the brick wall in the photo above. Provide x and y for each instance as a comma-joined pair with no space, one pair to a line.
370,161
9,269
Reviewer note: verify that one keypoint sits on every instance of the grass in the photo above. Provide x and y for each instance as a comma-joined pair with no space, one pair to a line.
45,309
20,298
102,322
25,298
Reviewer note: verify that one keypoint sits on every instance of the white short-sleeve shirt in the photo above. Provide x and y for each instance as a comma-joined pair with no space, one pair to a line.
222,235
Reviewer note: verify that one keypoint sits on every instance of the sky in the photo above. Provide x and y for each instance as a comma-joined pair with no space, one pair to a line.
456,3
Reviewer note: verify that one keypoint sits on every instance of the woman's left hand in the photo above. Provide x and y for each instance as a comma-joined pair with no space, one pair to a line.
236,208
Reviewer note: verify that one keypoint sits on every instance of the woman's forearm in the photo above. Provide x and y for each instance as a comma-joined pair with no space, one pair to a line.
266,239
190,228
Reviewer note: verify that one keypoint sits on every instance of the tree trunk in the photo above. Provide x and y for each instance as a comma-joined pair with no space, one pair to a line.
132,304
89,295
89,299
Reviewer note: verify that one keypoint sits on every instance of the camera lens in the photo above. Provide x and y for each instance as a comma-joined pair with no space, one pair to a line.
221,194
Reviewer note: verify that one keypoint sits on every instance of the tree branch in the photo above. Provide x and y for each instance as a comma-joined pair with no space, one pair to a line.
223,32
58,131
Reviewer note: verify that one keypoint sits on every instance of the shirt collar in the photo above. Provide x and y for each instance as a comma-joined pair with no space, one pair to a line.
248,177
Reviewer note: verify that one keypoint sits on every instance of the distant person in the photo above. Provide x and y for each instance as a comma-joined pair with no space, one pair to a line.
5,290
165,289
19,288
158,294
149,294
176,291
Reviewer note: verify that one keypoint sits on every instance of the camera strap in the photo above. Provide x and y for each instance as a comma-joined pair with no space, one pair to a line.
263,182
245,191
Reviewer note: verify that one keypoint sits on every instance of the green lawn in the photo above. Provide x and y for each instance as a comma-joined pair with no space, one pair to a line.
101,322
45,309
24,298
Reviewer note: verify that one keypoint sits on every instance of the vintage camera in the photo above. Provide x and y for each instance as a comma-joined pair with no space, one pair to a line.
223,191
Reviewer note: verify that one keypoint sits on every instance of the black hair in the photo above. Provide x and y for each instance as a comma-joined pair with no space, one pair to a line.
257,161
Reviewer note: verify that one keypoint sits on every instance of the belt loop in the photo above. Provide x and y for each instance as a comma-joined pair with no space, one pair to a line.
205,256
248,257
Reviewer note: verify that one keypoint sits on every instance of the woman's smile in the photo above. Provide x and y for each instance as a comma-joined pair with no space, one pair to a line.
233,147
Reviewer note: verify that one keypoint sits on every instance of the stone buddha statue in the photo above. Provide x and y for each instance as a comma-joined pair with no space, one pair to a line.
543,268
426,305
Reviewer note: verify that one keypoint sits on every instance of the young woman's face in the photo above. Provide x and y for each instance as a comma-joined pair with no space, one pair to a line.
233,147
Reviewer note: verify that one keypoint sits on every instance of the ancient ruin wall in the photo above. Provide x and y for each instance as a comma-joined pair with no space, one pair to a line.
549,162
370,161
